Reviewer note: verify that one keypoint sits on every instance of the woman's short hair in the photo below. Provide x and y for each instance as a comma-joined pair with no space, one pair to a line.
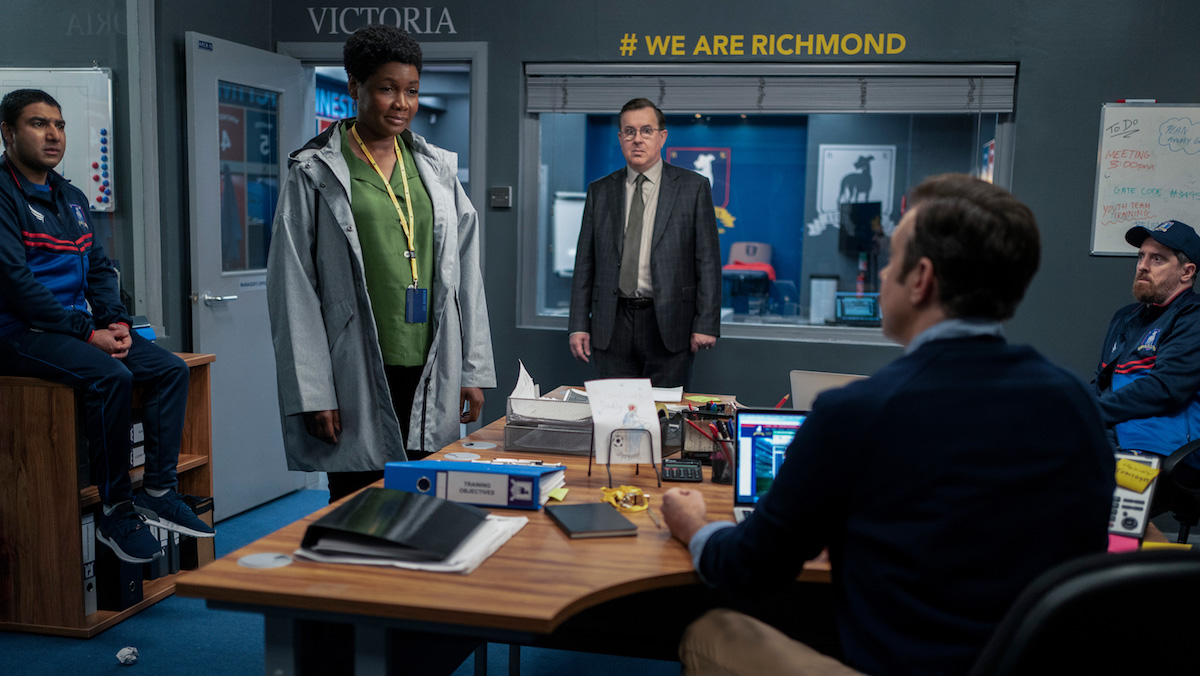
370,47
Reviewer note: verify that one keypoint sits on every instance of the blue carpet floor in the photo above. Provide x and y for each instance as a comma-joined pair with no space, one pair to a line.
181,637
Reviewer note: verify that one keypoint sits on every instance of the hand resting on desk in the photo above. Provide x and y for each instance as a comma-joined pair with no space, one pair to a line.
684,512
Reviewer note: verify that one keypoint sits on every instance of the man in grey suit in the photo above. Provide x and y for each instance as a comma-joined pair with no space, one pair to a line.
647,289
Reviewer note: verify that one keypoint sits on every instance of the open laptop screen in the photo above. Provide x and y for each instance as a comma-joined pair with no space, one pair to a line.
763,436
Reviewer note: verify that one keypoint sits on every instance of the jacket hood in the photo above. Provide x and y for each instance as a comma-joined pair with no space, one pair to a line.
445,161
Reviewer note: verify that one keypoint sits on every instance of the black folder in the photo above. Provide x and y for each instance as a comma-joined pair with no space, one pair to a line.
382,523
118,583
591,520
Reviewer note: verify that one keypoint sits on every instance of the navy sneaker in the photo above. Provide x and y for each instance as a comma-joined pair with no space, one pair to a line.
124,531
172,513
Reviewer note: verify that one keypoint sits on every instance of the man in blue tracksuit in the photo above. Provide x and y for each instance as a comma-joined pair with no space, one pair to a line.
1148,377
61,319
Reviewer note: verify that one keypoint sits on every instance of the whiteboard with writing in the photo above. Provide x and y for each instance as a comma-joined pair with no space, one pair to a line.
1149,171
85,95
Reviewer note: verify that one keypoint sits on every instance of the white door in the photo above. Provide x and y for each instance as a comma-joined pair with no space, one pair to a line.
247,109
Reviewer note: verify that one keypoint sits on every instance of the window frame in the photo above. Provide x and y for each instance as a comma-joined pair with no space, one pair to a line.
531,237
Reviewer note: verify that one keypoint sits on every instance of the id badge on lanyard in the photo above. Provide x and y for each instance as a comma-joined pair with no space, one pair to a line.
416,305
416,299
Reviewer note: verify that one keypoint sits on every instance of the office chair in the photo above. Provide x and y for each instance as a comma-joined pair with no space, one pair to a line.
750,252
1182,500
747,278
1102,614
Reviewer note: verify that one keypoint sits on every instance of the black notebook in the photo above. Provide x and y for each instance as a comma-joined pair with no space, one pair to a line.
396,525
591,520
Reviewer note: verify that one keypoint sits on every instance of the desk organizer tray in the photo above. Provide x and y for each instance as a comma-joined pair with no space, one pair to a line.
548,439
549,411
548,426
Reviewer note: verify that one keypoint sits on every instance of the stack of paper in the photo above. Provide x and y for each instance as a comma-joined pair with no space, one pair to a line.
386,527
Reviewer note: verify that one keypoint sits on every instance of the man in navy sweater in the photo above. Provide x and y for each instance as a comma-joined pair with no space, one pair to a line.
61,319
931,483
1149,371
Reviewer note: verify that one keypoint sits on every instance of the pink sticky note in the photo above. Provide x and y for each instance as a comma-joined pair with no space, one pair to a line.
1121,543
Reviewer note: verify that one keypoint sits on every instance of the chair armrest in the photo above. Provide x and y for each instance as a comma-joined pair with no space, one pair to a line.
1178,456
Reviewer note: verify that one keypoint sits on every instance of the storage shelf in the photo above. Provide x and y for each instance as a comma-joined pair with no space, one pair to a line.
41,505
91,495
153,591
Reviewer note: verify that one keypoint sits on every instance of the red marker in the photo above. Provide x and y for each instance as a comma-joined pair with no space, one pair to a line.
701,430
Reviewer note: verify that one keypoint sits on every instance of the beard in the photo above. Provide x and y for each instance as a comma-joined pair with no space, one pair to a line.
1150,292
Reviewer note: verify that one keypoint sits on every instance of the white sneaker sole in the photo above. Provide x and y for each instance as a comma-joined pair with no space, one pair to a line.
171,525
120,553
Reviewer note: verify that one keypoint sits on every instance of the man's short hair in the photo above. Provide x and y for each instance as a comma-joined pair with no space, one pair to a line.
983,243
638,104
15,101
373,46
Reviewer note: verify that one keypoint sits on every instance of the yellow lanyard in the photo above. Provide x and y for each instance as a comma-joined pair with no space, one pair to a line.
405,225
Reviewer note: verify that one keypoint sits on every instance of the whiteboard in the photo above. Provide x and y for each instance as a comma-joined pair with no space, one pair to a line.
85,95
1148,171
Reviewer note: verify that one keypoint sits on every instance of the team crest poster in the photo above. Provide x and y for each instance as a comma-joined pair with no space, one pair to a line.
713,164
851,173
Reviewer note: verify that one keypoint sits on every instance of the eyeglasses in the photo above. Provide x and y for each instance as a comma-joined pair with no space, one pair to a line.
628,133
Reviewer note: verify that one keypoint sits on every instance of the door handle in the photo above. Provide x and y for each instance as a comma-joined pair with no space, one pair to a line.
209,299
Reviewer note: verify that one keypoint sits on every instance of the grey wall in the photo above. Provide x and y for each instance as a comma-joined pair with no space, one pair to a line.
1070,62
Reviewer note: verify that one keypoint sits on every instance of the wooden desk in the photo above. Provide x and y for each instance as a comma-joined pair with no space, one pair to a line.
522,594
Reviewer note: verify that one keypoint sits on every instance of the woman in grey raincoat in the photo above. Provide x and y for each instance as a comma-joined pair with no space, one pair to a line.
378,315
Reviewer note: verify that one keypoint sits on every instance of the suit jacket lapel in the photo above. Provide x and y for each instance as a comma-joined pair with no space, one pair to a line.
616,188
666,198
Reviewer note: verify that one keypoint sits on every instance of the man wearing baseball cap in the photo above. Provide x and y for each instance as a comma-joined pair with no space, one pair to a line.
1149,372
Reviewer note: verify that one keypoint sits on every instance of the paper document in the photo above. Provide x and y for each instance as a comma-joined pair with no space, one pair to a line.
548,410
663,394
625,421
526,388
487,538
668,394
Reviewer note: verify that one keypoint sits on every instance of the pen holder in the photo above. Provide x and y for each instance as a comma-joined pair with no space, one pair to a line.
722,468
696,446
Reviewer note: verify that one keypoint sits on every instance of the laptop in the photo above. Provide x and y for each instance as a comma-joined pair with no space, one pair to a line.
806,385
762,436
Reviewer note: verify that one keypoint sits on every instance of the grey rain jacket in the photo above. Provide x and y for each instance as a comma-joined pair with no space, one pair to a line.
327,352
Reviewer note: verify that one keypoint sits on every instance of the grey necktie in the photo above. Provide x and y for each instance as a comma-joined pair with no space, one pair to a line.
633,241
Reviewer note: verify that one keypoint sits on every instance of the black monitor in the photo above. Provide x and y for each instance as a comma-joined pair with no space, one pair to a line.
857,308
